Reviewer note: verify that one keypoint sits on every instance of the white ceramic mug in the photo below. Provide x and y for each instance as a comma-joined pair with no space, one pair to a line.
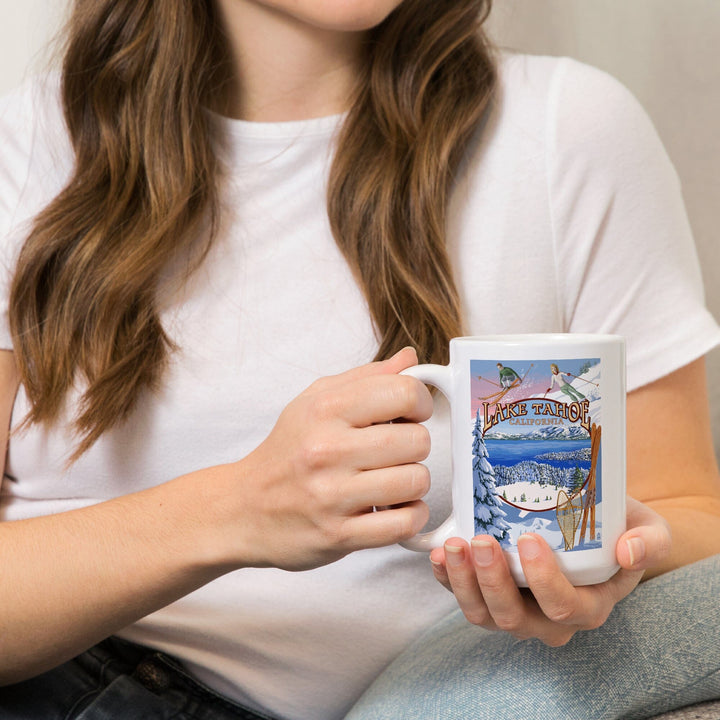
538,445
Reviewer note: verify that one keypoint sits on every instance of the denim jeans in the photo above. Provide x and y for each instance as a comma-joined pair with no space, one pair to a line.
659,650
118,680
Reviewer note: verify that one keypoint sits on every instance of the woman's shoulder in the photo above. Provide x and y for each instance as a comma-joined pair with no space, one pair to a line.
538,75
561,124
575,109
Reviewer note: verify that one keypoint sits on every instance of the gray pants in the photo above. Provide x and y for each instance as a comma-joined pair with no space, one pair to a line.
659,650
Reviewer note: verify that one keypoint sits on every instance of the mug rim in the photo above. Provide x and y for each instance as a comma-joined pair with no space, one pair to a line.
538,338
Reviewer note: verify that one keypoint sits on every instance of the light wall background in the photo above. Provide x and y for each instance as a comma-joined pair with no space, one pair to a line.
26,28
667,52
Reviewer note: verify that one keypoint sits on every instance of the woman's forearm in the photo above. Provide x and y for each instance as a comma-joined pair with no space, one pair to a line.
695,526
301,499
71,579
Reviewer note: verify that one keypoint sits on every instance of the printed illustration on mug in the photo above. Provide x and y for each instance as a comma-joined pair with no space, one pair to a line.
536,444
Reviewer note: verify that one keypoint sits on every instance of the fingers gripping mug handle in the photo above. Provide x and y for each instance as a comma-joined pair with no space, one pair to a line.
441,377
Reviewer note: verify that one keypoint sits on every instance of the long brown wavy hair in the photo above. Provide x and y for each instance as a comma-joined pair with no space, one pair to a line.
137,76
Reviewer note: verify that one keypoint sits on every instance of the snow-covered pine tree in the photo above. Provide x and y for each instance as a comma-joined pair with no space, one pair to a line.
577,480
488,513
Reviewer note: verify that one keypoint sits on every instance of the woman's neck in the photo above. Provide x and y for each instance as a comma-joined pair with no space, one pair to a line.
283,68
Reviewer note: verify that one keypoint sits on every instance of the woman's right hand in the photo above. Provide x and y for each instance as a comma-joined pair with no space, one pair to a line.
305,496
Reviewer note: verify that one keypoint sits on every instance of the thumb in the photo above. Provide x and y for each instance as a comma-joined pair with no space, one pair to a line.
647,540
401,360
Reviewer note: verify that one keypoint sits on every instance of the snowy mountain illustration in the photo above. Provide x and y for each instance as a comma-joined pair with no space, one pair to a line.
552,432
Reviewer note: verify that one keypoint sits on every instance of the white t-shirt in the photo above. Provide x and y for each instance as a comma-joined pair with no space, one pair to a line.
567,216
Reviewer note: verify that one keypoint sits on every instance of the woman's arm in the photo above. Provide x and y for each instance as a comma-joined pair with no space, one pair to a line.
671,462
671,469
303,498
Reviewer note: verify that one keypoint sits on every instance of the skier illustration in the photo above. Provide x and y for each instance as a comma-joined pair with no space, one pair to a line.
562,385
507,376
509,380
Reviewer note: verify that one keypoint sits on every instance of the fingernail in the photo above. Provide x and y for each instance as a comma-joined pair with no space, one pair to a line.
482,552
636,549
529,547
454,555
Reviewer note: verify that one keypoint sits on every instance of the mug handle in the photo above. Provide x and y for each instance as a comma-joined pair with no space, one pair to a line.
441,377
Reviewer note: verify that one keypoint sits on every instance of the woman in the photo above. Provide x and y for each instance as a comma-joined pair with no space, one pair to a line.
176,276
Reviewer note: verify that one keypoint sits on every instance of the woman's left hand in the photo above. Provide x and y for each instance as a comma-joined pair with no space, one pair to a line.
551,609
